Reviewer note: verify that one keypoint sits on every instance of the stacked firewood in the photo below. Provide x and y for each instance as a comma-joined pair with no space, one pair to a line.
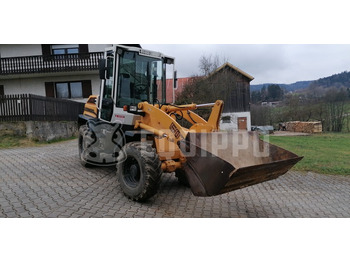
304,127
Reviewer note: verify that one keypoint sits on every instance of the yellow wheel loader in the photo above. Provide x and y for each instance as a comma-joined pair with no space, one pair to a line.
131,125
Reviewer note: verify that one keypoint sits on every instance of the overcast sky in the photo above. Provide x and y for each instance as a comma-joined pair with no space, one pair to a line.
321,26
266,63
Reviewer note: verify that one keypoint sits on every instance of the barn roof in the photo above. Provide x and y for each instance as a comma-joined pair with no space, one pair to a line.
227,64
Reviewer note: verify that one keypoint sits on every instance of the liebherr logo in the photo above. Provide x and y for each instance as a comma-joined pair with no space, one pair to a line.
175,130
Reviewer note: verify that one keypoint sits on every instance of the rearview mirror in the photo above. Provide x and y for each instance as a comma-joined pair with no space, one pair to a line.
175,79
102,68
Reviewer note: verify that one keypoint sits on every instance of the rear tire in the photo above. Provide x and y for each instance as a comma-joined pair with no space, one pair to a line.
139,171
82,132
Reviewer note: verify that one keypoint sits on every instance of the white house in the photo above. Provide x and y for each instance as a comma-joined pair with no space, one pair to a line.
53,70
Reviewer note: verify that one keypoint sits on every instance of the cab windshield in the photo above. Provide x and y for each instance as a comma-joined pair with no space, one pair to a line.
140,78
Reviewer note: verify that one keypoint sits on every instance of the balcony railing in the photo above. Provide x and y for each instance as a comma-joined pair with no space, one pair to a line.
50,64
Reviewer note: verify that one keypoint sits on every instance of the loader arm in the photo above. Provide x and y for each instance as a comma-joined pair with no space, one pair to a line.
160,123
198,123
168,132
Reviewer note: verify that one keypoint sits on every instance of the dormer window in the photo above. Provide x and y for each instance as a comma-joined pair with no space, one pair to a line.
64,49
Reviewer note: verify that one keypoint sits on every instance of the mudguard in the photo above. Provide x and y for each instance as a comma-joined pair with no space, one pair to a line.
101,142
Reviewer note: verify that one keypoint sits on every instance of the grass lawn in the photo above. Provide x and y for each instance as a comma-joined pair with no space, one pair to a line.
327,153
9,141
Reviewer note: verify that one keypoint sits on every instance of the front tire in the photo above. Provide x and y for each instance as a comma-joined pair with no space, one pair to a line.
139,171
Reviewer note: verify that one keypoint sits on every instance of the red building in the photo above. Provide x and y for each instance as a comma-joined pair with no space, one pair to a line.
172,93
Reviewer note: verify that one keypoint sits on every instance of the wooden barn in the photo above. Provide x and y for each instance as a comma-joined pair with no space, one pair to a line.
233,85
227,83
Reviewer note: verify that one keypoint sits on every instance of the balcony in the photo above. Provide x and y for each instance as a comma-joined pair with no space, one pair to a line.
50,64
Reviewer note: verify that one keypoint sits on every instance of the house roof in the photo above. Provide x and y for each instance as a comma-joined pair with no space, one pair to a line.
227,64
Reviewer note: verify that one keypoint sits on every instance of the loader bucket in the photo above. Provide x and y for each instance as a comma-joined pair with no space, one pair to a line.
221,162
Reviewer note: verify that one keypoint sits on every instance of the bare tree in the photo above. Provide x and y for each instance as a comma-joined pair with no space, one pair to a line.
335,104
209,63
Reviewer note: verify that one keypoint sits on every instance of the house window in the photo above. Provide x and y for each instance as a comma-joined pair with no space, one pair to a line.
226,119
69,90
64,49
67,51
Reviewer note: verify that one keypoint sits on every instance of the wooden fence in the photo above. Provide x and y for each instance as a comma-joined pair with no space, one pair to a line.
28,107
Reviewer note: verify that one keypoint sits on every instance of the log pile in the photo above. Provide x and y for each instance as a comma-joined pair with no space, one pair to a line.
304,127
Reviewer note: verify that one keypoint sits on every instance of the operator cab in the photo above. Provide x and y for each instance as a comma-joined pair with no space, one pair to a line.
131,75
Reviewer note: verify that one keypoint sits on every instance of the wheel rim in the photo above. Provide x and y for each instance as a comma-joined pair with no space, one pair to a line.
132,174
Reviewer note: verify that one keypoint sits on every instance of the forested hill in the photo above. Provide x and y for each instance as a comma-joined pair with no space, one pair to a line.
337,80
288,87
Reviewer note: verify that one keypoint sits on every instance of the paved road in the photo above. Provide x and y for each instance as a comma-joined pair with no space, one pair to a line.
48,181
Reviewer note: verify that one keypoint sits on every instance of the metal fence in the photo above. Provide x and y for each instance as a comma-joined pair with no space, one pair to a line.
28,107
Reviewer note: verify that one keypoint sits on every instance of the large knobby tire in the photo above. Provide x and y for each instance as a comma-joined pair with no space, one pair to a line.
139,171
82,132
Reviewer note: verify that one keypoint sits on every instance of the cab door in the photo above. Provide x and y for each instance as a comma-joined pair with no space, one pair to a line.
107,87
